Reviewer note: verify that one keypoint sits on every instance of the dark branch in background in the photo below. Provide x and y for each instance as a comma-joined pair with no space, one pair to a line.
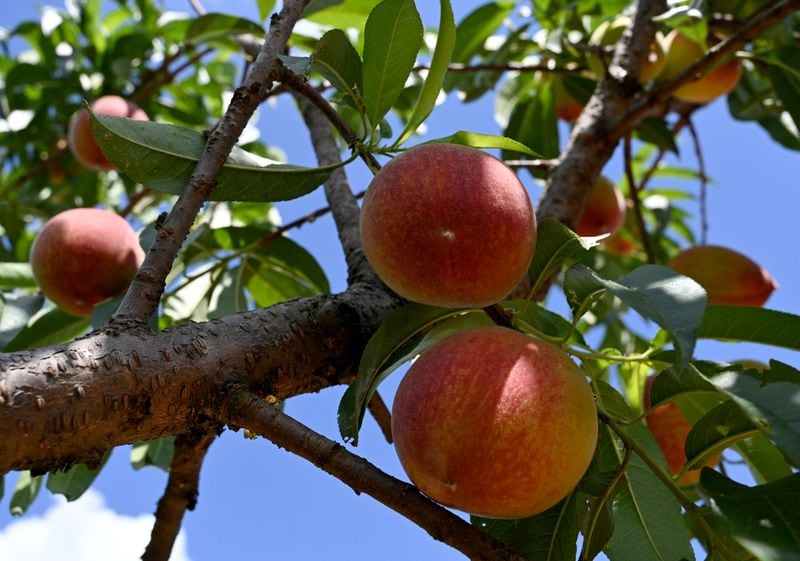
142,299
181,492
164,76
255,415
701,163
382,415
538,165
343,204
633,189
511,66
133,200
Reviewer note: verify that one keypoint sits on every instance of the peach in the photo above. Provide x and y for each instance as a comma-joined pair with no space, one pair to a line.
670,427
567,107
604,212
608,33
495,423
682,52
728,276
83,256
79,136
447,225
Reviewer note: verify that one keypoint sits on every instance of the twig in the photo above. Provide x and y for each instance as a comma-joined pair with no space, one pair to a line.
198,7
133,200
511,66
382,415
180,494
307,219
637,203
302,87
703,181
499,316
143,297
245,410
539,165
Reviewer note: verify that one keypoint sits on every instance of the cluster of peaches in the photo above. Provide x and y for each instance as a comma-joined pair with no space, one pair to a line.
490,420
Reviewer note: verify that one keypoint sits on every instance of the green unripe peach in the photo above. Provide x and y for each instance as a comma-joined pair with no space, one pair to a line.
447,225
495,423
83,256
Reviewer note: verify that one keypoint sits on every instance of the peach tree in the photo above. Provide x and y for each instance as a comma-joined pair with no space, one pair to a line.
228,316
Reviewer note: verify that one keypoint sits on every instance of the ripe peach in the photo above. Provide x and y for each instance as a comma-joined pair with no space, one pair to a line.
682,52
670,428
608,33
728,276
81,141
604,212
83,256
447,225
495,423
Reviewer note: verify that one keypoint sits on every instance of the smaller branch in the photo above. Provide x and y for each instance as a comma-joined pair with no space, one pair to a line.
539,165
382,415
180,494
343,204
307,219
703,181
302,87
637,203
133,200
198,7
243,409
499,316
465,68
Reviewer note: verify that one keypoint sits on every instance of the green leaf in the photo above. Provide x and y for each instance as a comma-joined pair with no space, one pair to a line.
533,121
764,519
445,42
655,131
548,536
214,25
395,342
75,481
50,328
673,301
16,275
392,38
748,323
772,407
479,140
157,453
163,157
25,492
474,29
339,13
16,313
647,517
265,8
717,430
786,82
555,244
337,60
765,461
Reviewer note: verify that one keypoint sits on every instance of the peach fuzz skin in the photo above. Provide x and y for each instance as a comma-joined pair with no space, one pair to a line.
447,225
83,256
495,423
728,276
604,212
79,136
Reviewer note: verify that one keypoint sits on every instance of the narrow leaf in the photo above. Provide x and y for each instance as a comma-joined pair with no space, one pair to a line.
75,481
764,519
163,157
16,313
445,43
392,344
50,328
555,244
16,275
717,430
337,60
210,26
392,38
157,453
747,323
479,140
25,492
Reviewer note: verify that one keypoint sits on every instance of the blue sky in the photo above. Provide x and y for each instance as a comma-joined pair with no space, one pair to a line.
259,502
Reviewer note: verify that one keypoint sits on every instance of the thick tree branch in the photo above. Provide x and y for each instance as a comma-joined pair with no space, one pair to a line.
180,494
69,403
254,414
143,297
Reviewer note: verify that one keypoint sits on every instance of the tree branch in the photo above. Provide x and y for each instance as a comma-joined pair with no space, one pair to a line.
143,296
254,414
180,494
